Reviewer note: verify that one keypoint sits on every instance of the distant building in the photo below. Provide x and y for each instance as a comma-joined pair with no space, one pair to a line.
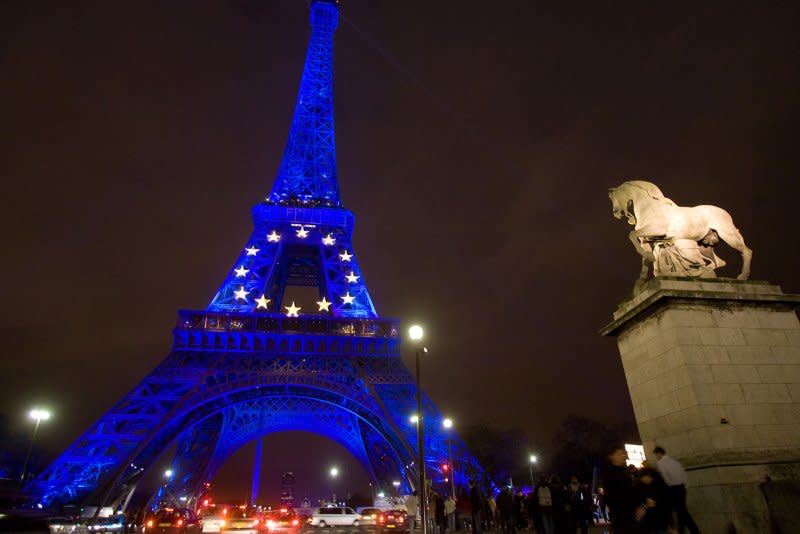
287,489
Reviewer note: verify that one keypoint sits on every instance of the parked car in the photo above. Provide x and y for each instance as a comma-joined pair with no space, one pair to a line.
174,521
243,521
392,520
335,515
283,519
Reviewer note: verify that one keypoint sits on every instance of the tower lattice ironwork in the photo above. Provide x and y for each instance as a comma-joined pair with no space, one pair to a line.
252,363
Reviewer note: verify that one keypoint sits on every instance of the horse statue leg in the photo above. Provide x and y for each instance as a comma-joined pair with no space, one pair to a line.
648,258
637,244
734,239
642,280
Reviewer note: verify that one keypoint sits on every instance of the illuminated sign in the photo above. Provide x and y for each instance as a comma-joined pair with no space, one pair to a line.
635,455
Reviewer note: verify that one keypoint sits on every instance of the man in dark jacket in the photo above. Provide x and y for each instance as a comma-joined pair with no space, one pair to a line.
505,507
623,502
476,500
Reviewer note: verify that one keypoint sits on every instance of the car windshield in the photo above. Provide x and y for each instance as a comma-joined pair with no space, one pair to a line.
279,514
169,515
238,513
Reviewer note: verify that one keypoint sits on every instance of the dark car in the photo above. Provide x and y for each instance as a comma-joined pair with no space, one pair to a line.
392,520
282,519
173,521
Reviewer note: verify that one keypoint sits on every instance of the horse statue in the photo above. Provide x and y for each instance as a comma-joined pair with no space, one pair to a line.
675,240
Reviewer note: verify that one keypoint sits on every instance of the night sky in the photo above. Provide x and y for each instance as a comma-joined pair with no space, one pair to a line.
476,142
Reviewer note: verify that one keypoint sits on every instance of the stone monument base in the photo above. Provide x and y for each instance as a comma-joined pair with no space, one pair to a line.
713,370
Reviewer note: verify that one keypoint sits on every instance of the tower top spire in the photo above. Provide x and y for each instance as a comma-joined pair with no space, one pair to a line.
307,175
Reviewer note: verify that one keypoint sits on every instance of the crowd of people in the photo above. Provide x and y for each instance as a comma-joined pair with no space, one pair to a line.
550,508
648,500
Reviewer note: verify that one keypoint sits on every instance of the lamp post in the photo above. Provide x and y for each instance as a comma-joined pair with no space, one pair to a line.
531,460
415,333
38,415
448,424
334,473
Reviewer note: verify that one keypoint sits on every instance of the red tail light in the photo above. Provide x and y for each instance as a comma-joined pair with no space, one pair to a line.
400,519
295,522
381,518
150,523
179,523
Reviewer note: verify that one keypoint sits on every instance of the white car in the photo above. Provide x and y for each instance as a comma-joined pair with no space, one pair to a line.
213,522
335,515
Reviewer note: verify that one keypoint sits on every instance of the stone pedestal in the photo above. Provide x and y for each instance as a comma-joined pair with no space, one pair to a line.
713,369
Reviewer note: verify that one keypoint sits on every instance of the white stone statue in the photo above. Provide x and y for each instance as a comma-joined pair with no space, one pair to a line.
676,241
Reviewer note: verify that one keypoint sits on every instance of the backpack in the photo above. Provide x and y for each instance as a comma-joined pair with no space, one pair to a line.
545,497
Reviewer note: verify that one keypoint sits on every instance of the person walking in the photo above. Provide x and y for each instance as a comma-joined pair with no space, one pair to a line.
559,496
476,502
531,506
505,505
450,512
518,512
673,474
411,508
438,513
654,496
620,494
579,500
491,520
543,498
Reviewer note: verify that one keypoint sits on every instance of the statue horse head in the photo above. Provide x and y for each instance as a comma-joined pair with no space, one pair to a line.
624,196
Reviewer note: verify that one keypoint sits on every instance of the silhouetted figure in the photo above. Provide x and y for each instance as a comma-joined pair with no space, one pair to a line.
505,505
620,493
653,493
476,502
579,501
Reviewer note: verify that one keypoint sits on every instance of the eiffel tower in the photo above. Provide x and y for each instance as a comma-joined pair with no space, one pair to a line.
253,362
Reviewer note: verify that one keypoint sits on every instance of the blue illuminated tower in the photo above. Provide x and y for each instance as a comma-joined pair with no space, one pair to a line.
253,362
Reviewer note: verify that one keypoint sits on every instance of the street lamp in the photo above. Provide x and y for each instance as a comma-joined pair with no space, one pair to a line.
334,473
38,415
168,473
531,460
448,424
415,333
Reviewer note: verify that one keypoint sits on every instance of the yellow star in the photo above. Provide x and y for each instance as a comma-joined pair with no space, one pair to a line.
274,237
348,298
345,256
252,251
328,240
291,311
262,302
352,278
302,233
324,305
241,294
241,272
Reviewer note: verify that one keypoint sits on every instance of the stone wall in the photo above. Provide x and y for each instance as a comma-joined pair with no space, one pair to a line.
713,369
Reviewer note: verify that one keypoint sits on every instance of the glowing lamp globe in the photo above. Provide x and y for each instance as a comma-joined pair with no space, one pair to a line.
39,415
415,332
